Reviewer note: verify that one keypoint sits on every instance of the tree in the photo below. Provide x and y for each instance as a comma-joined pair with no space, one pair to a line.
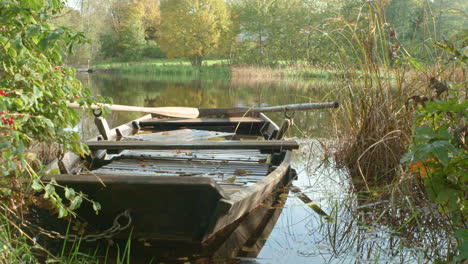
134,27
151,18
278,30
192,29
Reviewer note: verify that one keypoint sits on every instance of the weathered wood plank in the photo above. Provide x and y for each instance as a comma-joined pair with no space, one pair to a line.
239,173
267,145
180,135
287,123
213,155
103,127
242,202
160,207
198,121
102,178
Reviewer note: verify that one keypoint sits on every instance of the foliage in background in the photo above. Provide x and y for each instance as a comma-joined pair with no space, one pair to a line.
262,32
193,29
134,30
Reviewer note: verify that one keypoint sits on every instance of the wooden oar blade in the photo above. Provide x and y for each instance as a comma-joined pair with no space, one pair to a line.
183,112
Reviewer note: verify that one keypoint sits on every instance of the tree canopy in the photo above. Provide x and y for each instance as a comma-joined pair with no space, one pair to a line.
192,29
254,31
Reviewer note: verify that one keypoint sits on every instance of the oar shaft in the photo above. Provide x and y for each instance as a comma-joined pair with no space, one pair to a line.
296,107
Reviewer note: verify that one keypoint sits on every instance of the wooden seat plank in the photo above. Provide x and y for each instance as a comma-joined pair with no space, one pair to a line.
199,121
267,145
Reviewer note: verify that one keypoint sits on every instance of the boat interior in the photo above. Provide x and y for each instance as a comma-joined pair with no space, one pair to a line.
212,170
227,150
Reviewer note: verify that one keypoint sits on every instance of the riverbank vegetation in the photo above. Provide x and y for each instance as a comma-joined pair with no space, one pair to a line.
398,69
34,88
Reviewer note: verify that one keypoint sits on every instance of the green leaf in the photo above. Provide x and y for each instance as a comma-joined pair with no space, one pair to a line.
37,92
54,171
18,42
33,30
76,202
96,207
50,189
416,64
425,132
70,193
407,157
48,122
3,40
12,52
441,152
462,234
37,186
62,212
446,194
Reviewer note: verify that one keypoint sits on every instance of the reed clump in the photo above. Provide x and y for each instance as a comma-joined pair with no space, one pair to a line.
373,147
302,71
374,122
395,114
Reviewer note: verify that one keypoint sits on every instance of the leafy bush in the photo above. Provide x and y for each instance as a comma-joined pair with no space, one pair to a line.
439,151
439,155
34,89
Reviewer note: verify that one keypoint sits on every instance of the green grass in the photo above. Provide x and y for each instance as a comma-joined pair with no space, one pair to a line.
211,69
170,68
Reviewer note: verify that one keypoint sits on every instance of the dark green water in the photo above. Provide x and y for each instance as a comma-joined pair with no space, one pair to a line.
296,234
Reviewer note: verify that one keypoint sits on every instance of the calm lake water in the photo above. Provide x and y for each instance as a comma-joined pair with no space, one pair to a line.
291,231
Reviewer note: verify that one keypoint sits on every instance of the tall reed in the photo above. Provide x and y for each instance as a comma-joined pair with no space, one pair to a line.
374,122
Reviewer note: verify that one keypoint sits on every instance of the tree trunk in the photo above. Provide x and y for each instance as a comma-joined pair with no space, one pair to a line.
196,61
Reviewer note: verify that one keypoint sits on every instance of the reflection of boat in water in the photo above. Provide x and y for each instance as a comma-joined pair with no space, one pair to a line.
251,233
243,239
179,179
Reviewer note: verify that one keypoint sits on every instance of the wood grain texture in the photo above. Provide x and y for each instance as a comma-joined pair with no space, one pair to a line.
185,112
267,145
242,202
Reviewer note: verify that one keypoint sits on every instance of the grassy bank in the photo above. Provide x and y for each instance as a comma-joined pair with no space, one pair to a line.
220,68
165,67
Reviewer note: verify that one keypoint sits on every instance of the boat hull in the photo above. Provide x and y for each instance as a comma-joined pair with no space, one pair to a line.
169,191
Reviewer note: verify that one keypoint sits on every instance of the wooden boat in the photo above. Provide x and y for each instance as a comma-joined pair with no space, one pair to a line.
176,182
179,179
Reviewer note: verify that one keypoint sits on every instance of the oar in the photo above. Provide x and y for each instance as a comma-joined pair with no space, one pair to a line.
184,112
190,112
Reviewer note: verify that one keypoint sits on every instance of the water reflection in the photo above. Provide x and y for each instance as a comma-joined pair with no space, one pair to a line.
129,90
292,232
359,233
